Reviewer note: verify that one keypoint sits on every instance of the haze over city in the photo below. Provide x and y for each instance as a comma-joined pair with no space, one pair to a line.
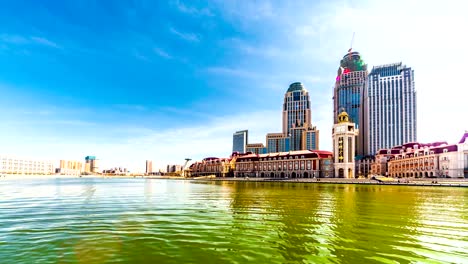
131,81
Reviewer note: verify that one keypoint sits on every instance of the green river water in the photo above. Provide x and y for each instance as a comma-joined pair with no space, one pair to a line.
97,220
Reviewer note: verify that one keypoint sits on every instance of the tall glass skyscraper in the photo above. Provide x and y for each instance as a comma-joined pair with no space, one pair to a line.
239,141
296,108
350,86
391,102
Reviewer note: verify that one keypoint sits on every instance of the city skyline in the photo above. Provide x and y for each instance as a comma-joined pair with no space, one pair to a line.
175,79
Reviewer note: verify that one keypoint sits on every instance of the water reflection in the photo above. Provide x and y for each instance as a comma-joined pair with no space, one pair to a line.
136,220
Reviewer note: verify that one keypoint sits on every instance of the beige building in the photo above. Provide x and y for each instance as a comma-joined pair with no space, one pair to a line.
70,167
344,146
437,159
91,164
15,165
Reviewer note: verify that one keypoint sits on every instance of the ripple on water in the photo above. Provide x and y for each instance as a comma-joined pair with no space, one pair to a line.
137,220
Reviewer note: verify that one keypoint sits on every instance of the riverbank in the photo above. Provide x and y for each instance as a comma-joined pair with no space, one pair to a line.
409,182
441,182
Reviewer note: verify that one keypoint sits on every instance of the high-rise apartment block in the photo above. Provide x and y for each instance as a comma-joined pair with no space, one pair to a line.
70,167
91,164
239,141
391,102
349,91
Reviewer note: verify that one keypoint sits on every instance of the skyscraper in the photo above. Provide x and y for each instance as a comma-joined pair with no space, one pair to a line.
391,101
149,166
239,141
350,86
296,108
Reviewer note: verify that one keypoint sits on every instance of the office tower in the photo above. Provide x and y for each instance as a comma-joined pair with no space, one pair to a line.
239,141
277,142
350,86
391,102
311,141
149,166
296,108
304,138
344,139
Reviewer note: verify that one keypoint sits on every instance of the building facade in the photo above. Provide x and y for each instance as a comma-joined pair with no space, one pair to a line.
292,164
91,164
256,148
218,167
350,86
70,167
174,168
437,159
277,142
344,136
239,141
16,165
391,103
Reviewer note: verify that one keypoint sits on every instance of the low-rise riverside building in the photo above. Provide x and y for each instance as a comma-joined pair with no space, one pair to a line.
16,165
437,159
292,164
219,167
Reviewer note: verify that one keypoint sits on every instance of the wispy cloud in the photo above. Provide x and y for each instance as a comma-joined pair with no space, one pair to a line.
192,37
160,52
45,42
22,40
233,72
192,10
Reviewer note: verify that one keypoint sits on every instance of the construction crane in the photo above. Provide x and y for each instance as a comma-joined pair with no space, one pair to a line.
185,165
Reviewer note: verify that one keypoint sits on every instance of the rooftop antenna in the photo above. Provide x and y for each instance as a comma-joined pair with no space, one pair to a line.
351,46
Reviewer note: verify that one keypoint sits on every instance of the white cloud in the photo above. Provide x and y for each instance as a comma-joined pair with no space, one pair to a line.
192,37
22,40
426,35
192,10
162,53
45,42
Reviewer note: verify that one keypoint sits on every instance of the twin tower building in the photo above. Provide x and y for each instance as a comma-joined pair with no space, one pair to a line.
371,111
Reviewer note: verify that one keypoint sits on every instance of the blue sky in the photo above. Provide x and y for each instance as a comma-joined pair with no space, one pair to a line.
134,80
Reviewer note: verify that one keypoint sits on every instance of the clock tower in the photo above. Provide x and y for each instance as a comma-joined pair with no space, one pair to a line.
344,145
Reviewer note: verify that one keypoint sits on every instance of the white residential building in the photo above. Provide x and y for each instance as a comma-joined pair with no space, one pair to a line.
16,165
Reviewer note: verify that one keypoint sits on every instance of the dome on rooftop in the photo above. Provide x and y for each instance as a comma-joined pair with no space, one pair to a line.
297,86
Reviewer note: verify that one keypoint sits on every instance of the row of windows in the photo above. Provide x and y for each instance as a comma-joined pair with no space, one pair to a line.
279,165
